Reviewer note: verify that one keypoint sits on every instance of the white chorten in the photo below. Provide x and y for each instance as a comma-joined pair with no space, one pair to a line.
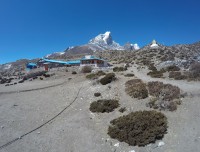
154,44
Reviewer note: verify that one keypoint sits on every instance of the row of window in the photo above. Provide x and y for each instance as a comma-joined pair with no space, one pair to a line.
92,62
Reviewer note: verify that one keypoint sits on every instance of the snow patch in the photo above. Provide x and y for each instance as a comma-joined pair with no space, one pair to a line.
7,66
136,46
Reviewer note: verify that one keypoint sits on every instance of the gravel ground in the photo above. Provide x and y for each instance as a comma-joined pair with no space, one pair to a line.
79,130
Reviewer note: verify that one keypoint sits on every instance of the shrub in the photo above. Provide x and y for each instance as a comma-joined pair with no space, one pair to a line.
104,106
136,88
122,110
172,68
74,72
152,67
177,75
95,75
46,75
119,69
194,71
129,75
155,74
108,78
139,128
100,73
91,76
86,69
164,91
97,94
165,96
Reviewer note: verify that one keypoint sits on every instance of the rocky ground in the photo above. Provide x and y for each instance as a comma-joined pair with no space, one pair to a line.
25,106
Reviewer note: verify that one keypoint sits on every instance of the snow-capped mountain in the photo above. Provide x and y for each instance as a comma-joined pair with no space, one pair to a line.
101,42
104,42
128,46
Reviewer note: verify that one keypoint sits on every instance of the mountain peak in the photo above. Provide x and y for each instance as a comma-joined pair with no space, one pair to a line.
104,42
102,39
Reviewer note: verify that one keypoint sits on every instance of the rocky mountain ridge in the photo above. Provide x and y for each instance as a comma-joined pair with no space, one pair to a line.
101,42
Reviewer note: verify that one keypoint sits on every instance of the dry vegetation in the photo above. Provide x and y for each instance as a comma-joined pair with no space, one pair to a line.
129,75
139,128
95,75
119,69
86,69
136,89
108,78
97,94
104,106
165,96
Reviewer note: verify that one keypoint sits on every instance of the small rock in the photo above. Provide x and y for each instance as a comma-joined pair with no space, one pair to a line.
161,143
116,145
38,132
2,127
132,151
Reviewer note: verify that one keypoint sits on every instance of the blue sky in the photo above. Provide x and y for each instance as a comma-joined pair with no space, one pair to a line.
34,28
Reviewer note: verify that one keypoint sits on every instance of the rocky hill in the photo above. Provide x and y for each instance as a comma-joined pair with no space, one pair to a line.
13,67
157,54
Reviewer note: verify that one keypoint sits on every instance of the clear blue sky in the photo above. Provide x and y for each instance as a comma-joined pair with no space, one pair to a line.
34,28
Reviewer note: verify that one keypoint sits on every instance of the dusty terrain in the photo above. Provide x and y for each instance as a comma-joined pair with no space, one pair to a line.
26,106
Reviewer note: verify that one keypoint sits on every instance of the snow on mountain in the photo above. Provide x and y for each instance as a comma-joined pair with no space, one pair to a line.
101,42
7,66
136,46
104,42
128,46
55,54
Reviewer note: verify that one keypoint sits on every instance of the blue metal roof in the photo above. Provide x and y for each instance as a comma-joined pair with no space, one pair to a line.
63,62
74,62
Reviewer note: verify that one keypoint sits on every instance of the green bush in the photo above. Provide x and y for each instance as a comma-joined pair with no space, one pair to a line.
139,128
104,106
108,78
136,88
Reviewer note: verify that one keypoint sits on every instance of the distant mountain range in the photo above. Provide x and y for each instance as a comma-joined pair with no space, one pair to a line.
101,42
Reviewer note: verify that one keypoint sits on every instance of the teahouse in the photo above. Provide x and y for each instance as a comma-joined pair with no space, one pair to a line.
90,60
